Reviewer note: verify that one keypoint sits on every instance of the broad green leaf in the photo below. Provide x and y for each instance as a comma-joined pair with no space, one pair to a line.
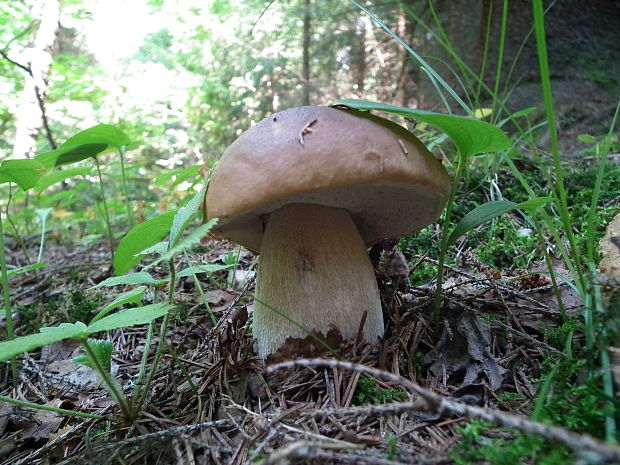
470,136
70,154
192,270
46,336
102,350
25,269
131,317
487,211
187,242
24,173
100,134
134,296
140,237
184,215
131,279
50,179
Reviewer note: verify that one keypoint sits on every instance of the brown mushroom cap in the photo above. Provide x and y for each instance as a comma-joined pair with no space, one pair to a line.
383,175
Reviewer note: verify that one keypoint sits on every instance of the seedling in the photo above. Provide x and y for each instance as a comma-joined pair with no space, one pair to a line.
90,143
24,173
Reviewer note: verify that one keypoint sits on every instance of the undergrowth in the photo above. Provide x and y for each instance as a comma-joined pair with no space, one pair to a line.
575,402
508,243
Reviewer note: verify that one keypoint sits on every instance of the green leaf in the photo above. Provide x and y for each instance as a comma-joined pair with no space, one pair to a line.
518,114
24,173
186,243
25,269
487,211
55,177
131,317
469,135
102,350
192,270
100,134
134,296
160,248
131,279
184,215
46,336
43,214
140,237
178,175
70,154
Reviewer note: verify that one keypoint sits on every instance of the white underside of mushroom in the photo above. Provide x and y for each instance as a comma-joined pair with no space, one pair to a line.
314,275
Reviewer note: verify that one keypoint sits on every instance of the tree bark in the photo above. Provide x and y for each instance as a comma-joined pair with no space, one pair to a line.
358,56
31,112
306,54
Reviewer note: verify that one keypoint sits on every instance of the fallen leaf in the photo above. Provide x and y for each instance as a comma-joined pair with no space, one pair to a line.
43,424
610,250
62,214
463,353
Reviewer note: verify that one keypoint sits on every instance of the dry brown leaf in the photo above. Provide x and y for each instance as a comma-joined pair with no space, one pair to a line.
43,424
610,250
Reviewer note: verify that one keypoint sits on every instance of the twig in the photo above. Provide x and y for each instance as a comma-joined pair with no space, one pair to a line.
42,451
234,302
394,408
39,97
13,62
157,436
579,443
302,450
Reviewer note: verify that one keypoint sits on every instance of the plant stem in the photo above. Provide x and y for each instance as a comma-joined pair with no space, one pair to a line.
203,297
121,152
106,216
62,411
444,239
42,241
10,328
161,343
543,62
108,380
22,244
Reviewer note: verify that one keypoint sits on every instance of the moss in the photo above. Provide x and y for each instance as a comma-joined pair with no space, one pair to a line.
370,393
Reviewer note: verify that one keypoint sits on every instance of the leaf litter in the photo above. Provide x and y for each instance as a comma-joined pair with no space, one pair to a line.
215,403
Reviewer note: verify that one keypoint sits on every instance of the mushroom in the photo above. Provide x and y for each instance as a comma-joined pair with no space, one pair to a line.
310,189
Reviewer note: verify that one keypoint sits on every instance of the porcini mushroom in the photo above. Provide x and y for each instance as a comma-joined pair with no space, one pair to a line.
310,189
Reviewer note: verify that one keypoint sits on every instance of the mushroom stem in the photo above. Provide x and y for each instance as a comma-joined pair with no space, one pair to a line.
314,270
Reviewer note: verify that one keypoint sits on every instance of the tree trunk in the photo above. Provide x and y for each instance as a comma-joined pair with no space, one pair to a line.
30,114
358,56
409,74
306,54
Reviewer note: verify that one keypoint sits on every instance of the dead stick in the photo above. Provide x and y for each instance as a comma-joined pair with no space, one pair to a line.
579,443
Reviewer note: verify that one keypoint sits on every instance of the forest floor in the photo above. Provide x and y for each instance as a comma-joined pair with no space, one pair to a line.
223,407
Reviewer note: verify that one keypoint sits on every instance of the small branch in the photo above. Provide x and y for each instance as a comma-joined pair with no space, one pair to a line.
19,65
579,443
37,92
46,124
149,438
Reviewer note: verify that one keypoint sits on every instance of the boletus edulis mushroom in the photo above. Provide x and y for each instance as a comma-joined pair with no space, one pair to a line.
310,189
